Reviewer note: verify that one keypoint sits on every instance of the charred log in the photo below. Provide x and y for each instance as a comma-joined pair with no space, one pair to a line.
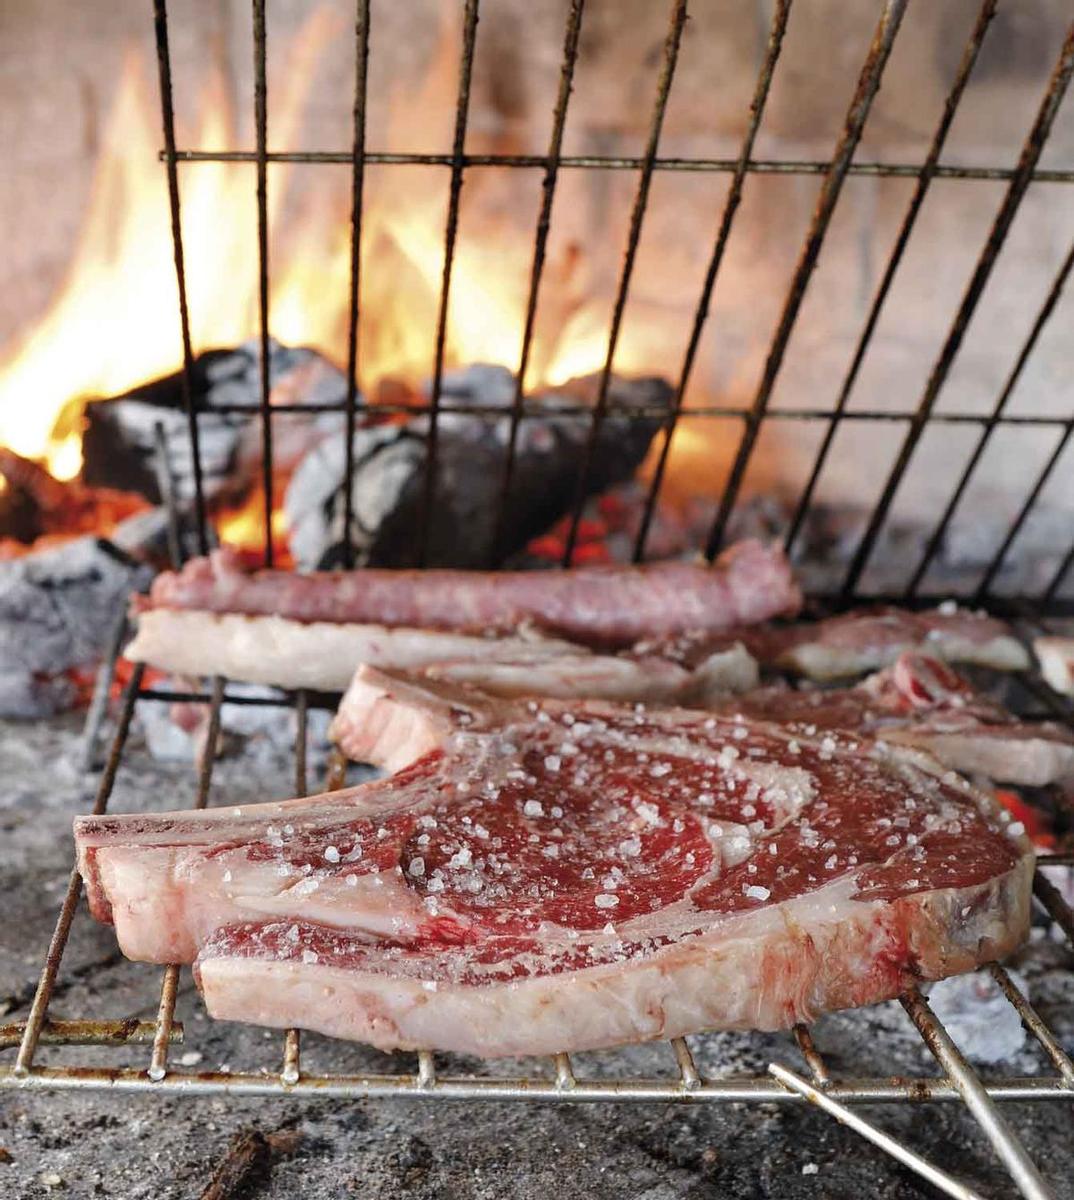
388,481
34,505
119,442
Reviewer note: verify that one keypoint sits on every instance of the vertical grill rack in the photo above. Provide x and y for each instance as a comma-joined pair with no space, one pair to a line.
684,1081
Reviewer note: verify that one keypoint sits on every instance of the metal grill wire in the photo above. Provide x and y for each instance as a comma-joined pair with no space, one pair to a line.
834,172
958,1080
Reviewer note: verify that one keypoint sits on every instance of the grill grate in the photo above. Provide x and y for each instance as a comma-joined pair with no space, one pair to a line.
684,1081
833,173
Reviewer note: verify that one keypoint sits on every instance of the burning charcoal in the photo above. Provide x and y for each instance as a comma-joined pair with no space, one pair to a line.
388,481
609,529
119,442
57,608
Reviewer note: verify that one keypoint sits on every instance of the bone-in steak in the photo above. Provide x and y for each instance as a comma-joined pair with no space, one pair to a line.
856,642
551,876
921,702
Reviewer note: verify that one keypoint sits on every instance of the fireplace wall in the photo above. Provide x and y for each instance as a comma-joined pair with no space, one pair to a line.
61,64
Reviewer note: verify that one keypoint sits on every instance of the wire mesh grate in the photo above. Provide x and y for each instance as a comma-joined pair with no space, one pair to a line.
909,427
561,1082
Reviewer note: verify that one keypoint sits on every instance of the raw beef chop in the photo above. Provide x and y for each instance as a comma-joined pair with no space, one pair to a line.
558,876
921,702
1056,658
856,642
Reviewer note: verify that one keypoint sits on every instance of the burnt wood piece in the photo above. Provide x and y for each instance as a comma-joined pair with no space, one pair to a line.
119,442
248,1162
390,460
34,505
57,608
145,536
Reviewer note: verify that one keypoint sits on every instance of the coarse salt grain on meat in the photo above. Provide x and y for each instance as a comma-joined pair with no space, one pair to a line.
494,946
921,702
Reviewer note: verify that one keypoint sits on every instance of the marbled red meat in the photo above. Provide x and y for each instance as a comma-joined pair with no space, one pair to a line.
543,876
856,642
921,702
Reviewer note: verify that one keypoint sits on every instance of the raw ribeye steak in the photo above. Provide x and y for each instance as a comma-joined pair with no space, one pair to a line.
853,643
921,702
549,876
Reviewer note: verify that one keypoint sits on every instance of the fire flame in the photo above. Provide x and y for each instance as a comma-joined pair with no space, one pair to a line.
114,323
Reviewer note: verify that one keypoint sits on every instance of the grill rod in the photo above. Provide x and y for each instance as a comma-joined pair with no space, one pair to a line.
845,1116
928,172
602,162
677,22
1006,1144
47,981
158,1063
451,233
857,114
571,41
723,234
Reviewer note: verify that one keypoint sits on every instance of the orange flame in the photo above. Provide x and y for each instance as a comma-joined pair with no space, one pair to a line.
114,323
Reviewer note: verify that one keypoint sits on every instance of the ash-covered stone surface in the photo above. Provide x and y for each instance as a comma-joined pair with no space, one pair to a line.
90,1144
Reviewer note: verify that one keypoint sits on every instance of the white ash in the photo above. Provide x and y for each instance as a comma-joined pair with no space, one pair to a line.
175,733
58,608
984,1024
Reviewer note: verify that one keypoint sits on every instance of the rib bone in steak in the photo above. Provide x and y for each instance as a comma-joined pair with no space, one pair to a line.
549,876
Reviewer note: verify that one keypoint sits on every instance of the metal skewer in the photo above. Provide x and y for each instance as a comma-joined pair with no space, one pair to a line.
946,1183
